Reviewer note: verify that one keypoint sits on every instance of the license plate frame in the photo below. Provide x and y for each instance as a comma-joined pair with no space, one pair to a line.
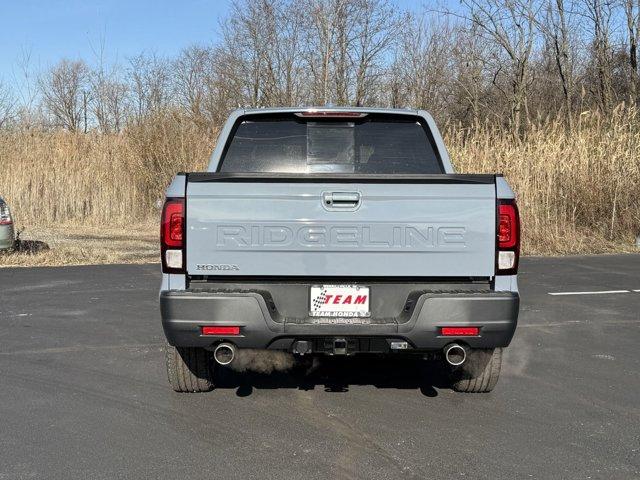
350,303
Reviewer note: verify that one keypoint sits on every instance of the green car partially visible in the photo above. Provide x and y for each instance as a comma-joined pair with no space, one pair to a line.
7,234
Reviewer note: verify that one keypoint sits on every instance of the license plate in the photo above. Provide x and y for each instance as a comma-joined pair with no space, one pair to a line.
339,301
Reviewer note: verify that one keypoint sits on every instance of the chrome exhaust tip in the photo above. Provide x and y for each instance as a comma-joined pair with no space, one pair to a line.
224,353
455,354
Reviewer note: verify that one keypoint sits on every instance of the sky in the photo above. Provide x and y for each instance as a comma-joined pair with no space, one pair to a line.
53,29
49,30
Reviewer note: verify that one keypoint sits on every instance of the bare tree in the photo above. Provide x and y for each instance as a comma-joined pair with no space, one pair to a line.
64,93
347,45
191,73
245,39
423,63
632,16
599,14
510,24
281,59
474,72
348,20
7,105
226,87
108,99
508,61
327,43
262,43
376,30
26,88
556,26
149,80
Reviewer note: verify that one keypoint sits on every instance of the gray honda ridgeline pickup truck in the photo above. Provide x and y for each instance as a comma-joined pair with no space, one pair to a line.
338,231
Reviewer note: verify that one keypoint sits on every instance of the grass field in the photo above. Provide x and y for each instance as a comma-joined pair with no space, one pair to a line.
94,197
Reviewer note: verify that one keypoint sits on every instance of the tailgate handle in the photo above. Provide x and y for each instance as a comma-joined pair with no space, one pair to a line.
341,200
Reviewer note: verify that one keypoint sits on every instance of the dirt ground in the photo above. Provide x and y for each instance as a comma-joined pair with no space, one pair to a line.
85,245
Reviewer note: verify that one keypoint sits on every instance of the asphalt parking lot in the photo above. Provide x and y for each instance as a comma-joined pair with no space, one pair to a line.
83,392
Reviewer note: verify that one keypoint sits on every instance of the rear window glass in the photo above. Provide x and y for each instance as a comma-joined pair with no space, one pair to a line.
368,146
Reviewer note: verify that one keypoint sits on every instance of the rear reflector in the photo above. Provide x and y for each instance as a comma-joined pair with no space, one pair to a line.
220,330
460,331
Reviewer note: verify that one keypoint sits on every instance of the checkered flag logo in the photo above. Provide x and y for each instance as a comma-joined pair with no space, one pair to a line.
320,299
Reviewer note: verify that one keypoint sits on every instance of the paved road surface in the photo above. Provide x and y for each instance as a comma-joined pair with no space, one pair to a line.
83,392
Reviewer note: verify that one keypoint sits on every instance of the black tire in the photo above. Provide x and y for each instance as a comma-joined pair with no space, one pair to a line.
189,369
480,372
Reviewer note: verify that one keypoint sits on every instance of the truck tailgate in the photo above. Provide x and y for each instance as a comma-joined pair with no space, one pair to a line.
436,226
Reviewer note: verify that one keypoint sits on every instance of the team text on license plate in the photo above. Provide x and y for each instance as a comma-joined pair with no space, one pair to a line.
339,301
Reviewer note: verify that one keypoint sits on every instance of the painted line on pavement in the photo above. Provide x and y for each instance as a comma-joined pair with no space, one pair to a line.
601,292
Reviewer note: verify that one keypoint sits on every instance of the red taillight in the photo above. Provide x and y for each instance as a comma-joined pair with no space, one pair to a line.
508,225
460,331
220,330
173,223
508,237
172,236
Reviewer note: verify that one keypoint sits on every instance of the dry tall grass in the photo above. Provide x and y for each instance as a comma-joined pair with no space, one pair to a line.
578,191
94,178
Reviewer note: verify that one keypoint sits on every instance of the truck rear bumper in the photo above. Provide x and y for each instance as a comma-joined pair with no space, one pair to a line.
185,312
